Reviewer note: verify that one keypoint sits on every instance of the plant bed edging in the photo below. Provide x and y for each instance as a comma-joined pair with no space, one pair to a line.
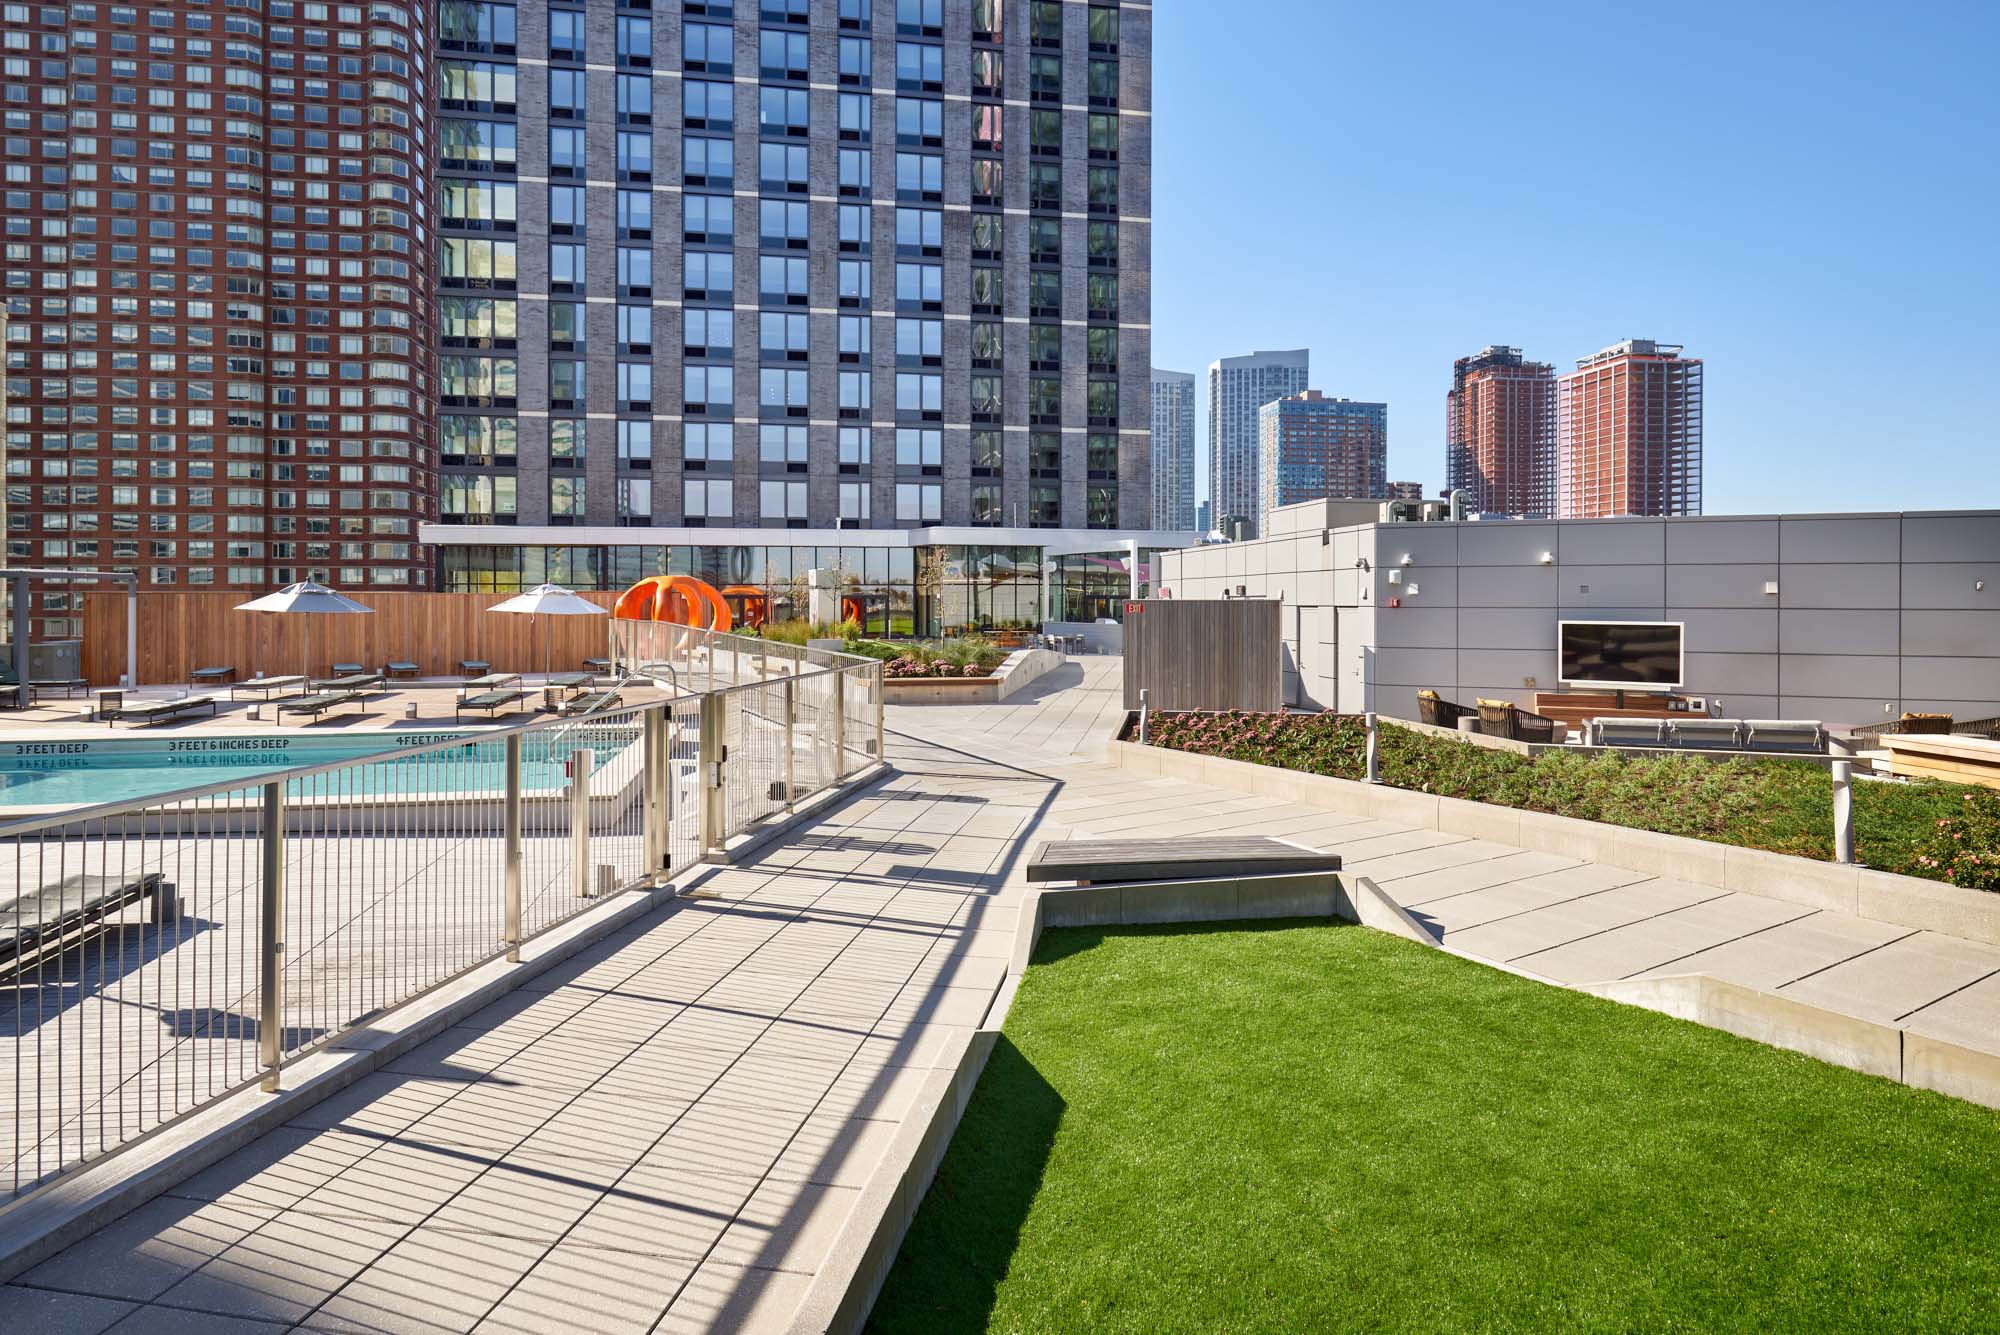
1904,901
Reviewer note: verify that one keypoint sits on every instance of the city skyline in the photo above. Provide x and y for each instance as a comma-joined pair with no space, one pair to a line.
1251,252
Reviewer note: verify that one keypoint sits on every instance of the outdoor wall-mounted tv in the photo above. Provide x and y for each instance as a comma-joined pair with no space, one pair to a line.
1632,655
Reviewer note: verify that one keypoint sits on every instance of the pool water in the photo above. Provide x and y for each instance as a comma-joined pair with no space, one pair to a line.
53,774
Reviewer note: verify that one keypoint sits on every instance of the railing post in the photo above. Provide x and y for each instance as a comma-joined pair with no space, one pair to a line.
881,675
1145,717
511,823
791,728
839,725
579,819
1374,749
713,754
1843,811
657,788
270,974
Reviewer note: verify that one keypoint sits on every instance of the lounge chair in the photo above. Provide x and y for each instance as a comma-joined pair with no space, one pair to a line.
217,675
492,681
161,711
474,667
317,706
491,702
263,686
1439,712
15,696
35,917
402,670
69,686
348,669
357,682
597,664
588,702
1503,718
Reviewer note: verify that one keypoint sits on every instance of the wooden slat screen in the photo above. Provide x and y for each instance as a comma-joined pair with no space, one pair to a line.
182,630
1204,653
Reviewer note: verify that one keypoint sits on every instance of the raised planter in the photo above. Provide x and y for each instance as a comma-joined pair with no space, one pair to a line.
1015,672
1906,901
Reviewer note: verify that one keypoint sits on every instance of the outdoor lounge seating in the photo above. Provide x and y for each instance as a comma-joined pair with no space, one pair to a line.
160,711
264,686
1768,734
492,681
474,667
347,669
14,696
490,703
588,702
1503,718
357,682
1704,734
69,686
1625,731
402,671
318,706
215,675
36,916
597,664
1439,712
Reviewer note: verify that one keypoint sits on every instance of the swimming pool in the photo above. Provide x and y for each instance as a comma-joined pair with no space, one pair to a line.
79,772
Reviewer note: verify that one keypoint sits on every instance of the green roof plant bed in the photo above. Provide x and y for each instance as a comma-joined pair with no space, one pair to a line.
1302,1127
1939,831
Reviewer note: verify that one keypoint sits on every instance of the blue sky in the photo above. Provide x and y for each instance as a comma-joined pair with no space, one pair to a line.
1808,198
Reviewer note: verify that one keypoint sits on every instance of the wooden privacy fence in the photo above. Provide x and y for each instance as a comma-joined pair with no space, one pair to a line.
180,631
1204,654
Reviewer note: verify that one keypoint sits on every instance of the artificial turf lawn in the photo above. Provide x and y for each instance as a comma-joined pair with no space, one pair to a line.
1302,1127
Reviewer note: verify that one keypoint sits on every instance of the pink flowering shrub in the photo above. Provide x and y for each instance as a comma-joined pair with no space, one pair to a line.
1964,847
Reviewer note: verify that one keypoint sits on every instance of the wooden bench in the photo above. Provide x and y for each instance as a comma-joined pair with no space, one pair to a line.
318,705
36,917
263,686
1102,861
160,711
489,701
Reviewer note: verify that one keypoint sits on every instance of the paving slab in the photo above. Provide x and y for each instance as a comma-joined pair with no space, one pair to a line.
1655,943
1903,977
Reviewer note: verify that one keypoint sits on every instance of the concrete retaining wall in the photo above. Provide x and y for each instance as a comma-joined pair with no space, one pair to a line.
1883,896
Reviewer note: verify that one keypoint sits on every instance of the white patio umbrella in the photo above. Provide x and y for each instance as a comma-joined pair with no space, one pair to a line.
549,600
309,599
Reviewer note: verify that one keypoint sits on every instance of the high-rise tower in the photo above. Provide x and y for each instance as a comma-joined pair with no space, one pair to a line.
1173,449
221,333
1628,433
1237,388
1500,430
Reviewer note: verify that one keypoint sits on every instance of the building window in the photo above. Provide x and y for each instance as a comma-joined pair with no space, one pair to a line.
919,503
986,505
635,500
635,444
1044,507
782,500
854,501
704,444
783,447
988,454
705,499
565,499
707,389
920,447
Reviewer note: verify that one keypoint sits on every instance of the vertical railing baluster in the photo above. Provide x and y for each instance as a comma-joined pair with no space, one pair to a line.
511,930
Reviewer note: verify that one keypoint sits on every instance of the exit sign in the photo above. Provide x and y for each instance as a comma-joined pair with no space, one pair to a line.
1134,609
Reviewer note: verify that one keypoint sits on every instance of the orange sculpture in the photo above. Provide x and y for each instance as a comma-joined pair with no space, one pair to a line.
748,604
853,609
681,599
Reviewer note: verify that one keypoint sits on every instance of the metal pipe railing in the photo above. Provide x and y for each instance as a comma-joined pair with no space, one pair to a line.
169,950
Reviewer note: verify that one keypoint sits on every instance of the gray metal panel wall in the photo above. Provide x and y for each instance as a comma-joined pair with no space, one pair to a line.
1224,654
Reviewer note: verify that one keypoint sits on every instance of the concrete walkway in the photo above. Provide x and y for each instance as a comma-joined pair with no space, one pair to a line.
665,1134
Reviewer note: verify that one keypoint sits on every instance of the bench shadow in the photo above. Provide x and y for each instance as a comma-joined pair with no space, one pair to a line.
948,1271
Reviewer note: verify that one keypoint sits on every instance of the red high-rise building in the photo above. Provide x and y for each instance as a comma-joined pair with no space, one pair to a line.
220,299
1628,433
1500,433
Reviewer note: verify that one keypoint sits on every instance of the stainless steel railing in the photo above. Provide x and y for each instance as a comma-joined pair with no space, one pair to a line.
169,950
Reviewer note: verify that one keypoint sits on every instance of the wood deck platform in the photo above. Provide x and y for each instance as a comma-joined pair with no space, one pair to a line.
1110,861
1946,756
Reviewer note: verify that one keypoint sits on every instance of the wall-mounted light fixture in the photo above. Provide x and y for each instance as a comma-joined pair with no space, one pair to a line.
1395,577
1407,558
1548,558
1979,586
1771,587
1361,563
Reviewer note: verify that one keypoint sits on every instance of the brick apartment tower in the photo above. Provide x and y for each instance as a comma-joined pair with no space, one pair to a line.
1500,431
1628,433
220,294
1312,446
